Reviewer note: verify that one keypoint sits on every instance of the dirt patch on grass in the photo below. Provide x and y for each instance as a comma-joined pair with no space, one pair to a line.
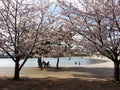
86,77
66,72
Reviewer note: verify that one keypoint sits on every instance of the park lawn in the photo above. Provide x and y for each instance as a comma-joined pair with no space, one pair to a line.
89,77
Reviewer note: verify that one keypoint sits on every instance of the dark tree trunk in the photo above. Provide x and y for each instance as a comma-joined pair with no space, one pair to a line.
40,63
57,65
116,71
17,70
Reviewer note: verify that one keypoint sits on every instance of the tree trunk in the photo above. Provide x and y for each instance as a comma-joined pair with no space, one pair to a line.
17,70
40,63
57,65
116,71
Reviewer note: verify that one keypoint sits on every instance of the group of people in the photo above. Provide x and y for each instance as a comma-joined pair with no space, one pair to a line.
76,63
42,64
45,64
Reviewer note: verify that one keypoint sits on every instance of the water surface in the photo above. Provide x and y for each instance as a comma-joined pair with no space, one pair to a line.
64,61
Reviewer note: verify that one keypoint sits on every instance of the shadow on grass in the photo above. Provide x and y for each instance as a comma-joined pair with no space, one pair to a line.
91,72
57,84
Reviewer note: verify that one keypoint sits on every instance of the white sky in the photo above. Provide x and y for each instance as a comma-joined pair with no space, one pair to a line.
68,0
72,1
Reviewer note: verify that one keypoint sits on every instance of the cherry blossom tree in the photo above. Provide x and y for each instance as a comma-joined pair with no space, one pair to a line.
98,24
56,41
43,45
62,45
20,22
64,42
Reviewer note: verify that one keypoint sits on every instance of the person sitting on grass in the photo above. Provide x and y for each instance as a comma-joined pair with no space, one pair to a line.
46,65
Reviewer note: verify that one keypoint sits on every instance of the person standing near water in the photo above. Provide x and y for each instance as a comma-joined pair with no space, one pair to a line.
75,62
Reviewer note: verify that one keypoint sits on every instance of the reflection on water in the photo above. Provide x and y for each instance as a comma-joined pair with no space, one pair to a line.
64,61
